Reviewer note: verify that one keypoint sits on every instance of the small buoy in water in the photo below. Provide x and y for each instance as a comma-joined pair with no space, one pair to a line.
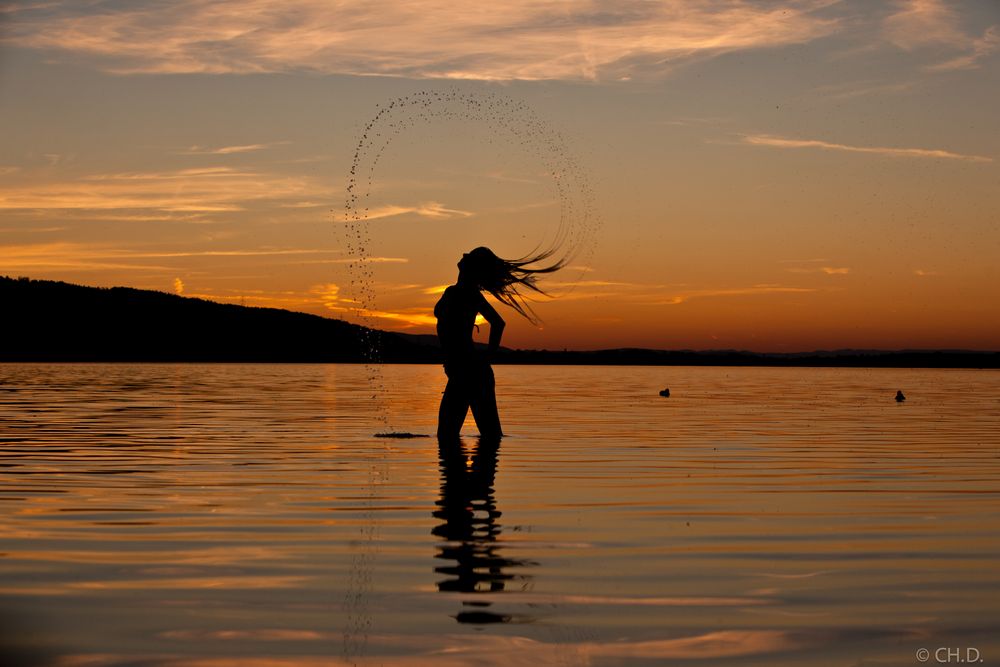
899,396
665,393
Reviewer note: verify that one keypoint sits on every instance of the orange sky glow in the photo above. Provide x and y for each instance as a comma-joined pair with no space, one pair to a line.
771,176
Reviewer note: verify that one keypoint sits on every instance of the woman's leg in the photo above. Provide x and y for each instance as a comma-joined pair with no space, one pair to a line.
484,404
454,406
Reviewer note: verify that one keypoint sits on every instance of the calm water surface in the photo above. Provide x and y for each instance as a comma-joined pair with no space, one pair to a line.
217,515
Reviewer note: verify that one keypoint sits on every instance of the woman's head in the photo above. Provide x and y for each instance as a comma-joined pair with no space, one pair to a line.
502,277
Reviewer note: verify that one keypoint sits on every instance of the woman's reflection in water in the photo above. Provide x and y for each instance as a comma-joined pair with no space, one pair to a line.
469,514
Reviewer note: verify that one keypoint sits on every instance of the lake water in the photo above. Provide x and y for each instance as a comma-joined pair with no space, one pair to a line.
224,515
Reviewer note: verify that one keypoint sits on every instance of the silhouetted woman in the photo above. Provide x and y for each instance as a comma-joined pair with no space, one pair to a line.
470,377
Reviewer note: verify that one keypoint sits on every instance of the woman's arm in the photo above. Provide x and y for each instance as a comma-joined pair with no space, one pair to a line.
496,323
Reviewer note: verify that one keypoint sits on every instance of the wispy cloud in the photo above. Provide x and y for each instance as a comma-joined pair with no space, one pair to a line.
588,283
980,48
753,290
305,204
853,89
502,177
917,23
645,294
435,289
517,39
197,191
178,286
828,270
67,257
416,317
430,209
329,294
87,256
32,230
287,299
229,150
935,23
357,260
784,142
225,253
690,121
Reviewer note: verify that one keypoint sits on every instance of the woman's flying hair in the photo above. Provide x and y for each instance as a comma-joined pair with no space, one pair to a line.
503,278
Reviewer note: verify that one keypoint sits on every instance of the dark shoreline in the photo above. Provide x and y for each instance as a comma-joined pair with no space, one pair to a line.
47,321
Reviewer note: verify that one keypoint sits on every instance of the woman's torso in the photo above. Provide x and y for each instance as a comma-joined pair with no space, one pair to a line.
456,312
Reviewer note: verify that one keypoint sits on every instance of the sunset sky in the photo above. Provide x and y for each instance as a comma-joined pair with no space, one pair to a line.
773,176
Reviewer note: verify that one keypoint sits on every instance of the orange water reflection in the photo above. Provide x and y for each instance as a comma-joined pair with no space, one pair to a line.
184,515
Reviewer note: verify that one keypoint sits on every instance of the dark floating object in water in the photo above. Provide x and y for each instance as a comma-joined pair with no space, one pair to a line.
665,393
899,397
402,435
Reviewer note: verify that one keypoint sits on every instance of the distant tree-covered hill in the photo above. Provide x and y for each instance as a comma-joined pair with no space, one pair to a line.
42,320
55,321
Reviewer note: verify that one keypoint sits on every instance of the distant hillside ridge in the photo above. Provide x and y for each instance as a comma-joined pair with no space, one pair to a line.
56,321
44,320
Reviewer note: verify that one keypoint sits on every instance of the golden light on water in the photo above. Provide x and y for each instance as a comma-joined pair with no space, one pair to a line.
247,510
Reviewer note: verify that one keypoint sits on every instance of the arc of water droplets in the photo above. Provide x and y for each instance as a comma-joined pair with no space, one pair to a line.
574,235
572,240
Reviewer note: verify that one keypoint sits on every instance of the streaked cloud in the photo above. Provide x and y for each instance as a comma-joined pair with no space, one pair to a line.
935,23
918,23
201,190
305,204
67,257
229,150
505,178
753,290
357,260
32,230
644,294
853,89
436,289
785,142
332,298
225,253
329,295
802,261
431,209
88,256
588,283
285,299
980,48
416,317
391,320
368,260
828,270
518,39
